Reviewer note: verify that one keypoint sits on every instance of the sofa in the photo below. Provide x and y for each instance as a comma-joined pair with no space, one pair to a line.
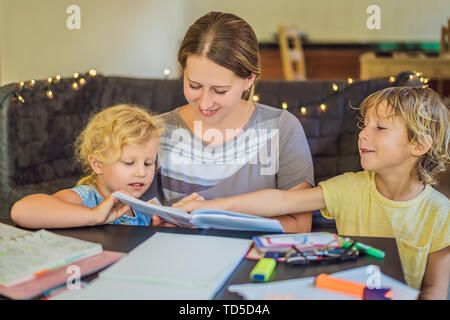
39,123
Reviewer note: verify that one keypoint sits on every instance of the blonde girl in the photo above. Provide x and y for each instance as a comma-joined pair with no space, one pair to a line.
117,152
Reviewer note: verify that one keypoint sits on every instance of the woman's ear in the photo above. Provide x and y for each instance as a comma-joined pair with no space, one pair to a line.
96,164
250,81
420,148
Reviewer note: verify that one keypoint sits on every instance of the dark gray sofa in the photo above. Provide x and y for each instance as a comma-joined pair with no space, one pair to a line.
36,135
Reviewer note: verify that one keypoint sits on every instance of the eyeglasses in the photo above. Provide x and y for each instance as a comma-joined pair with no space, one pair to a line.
324,255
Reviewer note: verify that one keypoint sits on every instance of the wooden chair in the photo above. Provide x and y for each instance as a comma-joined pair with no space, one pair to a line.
294,57
445,33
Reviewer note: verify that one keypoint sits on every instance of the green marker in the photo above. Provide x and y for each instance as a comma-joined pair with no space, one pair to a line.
377,253
264,268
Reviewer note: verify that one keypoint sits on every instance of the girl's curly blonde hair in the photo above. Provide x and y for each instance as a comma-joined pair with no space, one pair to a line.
426,117
107,131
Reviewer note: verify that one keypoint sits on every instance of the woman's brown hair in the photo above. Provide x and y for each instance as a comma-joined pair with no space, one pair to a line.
225,39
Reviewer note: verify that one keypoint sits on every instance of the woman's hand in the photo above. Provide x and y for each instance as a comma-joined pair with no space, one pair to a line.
191,202
109,210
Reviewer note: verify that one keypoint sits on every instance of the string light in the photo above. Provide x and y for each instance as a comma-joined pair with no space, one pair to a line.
49,80
303,110
411,77
21,84
350,80
75,86
284,105
49,94
166,72
255,98
391,79
57,78
92,72
323,107
335,87
76,75
32,83
82,81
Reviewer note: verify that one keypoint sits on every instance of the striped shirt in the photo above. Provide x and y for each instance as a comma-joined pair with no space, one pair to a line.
271,152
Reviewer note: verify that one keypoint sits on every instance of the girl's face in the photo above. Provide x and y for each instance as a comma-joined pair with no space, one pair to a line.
383,143
212,90
133,172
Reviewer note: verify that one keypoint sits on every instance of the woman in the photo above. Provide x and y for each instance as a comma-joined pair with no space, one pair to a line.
221,143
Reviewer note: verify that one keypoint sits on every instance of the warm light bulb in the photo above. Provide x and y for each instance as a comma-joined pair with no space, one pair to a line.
166,72
21,99
75,85
303,110
426,80
49,94
57,78
323,107
335,87
21,84
350,80
255,98
49,80
391,79
92,72
284,105
76,75
82,81
32,83
411,77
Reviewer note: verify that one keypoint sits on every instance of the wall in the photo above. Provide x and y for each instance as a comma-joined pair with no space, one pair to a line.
138,38
338,20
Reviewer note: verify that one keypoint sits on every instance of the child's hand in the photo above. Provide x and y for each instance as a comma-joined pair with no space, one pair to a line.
190,199
109,210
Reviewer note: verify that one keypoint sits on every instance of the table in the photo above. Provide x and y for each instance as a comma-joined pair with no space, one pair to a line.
437,68
126,238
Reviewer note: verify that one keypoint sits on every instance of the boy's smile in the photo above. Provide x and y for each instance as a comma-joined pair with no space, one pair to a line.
383,143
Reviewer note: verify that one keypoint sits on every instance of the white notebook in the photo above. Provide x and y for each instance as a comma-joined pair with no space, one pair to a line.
169,266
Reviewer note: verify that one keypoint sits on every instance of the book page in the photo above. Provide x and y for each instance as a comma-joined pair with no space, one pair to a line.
172,215
26,253
10,233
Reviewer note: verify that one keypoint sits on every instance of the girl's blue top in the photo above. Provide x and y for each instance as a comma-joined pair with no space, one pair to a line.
91,198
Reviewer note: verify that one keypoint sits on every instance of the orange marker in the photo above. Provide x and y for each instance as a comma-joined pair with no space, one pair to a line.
358,289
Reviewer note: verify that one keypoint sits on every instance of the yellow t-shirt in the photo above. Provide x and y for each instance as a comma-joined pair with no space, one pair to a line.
420,226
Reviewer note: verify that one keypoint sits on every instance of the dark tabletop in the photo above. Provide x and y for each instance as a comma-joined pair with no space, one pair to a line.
126,238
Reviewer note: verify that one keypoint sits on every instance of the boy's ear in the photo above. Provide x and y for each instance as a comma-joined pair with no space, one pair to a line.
96,165
420,149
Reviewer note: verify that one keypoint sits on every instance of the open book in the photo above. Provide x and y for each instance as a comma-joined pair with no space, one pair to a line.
25,255
203,218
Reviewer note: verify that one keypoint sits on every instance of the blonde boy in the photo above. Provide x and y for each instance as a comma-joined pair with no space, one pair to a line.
403,146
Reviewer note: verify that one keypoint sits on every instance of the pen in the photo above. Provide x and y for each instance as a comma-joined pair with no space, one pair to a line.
377,253
264,268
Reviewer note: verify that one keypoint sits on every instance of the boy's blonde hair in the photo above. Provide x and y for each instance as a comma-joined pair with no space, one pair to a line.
107,131
426,117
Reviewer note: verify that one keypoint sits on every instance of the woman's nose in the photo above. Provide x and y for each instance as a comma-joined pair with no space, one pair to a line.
205,100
